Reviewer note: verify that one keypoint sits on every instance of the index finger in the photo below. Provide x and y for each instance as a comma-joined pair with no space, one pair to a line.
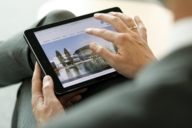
36,82
103,33
114,21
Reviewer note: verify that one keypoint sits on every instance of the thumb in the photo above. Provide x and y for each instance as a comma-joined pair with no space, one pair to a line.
103,52
48,89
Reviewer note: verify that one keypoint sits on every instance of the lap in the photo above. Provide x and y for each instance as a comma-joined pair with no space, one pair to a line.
23,114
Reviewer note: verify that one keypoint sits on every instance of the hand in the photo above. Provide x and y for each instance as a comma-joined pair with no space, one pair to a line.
44,102
133,51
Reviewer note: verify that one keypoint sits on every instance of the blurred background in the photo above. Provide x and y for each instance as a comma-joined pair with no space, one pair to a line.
18,15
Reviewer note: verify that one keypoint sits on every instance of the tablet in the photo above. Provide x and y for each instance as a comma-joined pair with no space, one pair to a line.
62,51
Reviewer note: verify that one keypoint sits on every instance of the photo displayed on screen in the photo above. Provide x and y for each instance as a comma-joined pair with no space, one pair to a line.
72,60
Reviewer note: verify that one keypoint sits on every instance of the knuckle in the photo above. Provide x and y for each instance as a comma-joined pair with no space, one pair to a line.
55,102
33,80
117,14
116,59
102,31
115,19
144,29
33,103
123,37
134,35
128,19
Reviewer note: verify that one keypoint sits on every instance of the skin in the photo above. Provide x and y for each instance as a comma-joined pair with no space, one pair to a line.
44,101
180,8
133,54
133,50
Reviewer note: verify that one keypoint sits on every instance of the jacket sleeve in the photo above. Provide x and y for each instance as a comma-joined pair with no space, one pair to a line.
164,106
15,57
14,64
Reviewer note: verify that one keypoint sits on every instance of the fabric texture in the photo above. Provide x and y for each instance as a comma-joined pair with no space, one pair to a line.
16,68
160,97
14,52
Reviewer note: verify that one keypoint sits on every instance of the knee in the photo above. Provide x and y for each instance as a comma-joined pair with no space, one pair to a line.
60,15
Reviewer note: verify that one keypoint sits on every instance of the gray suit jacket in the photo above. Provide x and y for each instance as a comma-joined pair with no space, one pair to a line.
160,96
15,66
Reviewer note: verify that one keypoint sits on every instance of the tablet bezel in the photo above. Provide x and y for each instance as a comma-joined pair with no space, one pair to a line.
44,63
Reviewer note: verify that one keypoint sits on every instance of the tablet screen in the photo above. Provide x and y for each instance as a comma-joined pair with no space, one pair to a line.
67,48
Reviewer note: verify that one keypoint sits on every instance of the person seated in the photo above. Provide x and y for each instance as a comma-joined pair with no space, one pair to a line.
158,96
18,66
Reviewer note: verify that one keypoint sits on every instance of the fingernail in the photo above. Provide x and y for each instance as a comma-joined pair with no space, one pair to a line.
98,48
113,13
46,80
88,30
137,17
97,14
93,45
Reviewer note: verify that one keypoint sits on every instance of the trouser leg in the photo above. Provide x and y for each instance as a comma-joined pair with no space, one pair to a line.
23,115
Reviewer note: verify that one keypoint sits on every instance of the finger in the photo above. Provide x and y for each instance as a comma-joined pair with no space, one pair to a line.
103,52
141,27
65,98
103,33
73,100
114,21
126,19
48,89
36,84
76,99
67,104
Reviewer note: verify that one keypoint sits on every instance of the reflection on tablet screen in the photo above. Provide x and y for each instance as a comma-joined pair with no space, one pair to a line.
67,48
